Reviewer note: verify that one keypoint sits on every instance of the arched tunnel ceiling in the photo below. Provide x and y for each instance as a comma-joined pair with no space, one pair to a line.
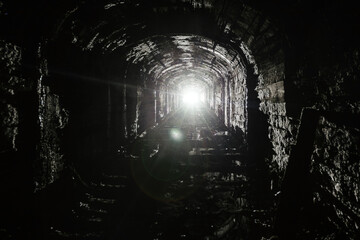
169,39
173,58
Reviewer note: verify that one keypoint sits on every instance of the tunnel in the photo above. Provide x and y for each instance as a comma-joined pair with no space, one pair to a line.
179,119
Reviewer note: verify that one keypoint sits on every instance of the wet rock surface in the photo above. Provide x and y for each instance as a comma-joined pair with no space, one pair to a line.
335,165
11,82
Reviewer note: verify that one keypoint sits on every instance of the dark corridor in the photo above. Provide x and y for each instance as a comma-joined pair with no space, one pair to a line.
187,178
179,119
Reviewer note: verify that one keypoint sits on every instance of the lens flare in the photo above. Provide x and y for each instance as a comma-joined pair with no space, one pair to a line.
176,134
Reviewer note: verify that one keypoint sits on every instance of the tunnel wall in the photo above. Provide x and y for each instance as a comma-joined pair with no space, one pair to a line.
238,98
53,118
315,65
163,101
263,47
330,87
322,73
335,168
19,131
11,83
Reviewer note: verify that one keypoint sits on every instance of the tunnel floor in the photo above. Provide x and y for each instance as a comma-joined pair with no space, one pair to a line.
187,178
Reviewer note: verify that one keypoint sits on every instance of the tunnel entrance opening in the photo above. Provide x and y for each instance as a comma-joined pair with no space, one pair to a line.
192,93
192,96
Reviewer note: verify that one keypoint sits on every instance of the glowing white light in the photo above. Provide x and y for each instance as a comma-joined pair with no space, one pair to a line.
176,134
192,96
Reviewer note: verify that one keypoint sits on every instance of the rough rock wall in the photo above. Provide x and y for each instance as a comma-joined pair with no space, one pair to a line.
163,104
238,96
336,170
52,119
282,128
322,70
337,88
282,133
11,82
336,155
324,74
218,96
332,86
263,48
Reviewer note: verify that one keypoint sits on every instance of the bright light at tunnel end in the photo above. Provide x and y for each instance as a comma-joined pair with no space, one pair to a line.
192,97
